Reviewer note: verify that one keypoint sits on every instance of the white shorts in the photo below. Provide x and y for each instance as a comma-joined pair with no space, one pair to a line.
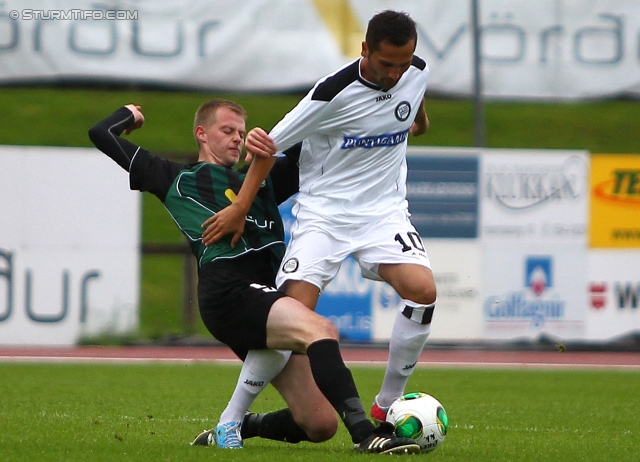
318,247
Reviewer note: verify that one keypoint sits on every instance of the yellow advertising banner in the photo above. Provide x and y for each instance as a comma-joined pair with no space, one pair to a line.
615,201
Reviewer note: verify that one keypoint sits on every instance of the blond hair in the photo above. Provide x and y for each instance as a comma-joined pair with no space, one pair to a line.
206,113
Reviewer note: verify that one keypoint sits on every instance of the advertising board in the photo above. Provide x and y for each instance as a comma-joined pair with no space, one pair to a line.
69,246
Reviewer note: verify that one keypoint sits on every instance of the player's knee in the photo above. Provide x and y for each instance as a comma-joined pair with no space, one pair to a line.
320,328
321,428
424,294
324,328
420,290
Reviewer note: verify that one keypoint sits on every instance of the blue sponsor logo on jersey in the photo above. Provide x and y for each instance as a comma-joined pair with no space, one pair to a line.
368,142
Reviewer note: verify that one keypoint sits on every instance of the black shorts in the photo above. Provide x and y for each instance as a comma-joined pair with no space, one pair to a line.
235,297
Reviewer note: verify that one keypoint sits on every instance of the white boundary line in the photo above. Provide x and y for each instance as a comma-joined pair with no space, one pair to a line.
102,359
436,364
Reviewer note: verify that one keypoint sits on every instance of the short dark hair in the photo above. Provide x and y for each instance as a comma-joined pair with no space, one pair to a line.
205,115
395,27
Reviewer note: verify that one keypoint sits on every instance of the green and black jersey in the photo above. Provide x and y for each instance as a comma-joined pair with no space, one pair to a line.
199,192
192,193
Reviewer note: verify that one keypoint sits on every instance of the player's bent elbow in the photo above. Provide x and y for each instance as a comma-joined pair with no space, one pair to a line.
94,134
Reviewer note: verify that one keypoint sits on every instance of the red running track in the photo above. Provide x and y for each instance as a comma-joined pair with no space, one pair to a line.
353,356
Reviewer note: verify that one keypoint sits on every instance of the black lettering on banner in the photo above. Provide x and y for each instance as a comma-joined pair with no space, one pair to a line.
598,34
137,43
545,41
441,53
627,295
203,30
502,32
43,317
15,36
74,43
37,36
603,41
416,241
84,293
6,302
7,273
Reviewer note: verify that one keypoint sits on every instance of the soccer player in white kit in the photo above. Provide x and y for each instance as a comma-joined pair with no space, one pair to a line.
354,125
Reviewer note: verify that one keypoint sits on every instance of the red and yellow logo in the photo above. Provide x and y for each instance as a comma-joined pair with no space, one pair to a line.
615,201
623,187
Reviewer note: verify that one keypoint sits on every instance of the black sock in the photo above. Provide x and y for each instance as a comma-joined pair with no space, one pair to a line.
336,383
278,425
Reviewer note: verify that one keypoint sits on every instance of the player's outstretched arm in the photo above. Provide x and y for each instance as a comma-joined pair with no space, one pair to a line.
230,220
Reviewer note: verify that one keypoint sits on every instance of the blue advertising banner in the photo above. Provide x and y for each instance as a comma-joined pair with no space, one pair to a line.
442,190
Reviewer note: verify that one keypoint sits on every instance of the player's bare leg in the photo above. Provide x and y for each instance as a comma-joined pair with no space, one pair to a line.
309,407
293,326
305,292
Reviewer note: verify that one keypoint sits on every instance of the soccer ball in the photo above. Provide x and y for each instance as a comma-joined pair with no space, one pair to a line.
421,417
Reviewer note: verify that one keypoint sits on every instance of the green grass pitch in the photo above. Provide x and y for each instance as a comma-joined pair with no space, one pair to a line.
71,412
150,412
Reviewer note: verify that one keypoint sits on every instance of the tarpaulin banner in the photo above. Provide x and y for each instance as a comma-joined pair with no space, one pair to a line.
547,49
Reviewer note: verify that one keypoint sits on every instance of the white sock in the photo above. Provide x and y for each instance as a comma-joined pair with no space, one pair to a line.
405,346
258,369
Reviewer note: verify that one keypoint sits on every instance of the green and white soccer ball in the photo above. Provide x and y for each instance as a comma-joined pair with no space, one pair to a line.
421,417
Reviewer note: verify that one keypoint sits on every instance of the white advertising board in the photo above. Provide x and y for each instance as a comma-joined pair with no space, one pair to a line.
534,290
456,269
534,196
614,294
69,246
533,230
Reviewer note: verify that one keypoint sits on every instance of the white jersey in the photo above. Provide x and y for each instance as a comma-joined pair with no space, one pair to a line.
353,160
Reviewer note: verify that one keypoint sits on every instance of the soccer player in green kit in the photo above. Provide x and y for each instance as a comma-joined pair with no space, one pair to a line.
236,295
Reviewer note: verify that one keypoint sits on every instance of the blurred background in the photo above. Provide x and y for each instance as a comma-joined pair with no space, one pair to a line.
526,189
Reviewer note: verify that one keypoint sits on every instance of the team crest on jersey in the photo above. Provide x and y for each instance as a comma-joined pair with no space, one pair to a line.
403,110
290,266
